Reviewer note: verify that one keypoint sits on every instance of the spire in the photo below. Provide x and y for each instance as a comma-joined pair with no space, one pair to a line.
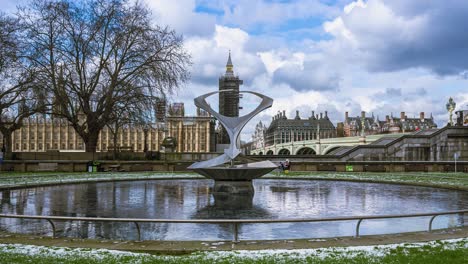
229,66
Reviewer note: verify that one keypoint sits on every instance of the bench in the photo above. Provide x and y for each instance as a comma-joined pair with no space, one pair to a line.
47,167
114,168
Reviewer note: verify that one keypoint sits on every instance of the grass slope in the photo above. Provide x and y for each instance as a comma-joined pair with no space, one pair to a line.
452,251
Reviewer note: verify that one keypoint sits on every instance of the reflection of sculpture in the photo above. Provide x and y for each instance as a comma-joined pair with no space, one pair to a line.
233,126
450,108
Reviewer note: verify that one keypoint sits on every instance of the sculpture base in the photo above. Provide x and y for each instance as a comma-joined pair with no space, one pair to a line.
242,172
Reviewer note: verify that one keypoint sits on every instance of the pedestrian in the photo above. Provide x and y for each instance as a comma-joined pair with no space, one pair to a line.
281,166
287,166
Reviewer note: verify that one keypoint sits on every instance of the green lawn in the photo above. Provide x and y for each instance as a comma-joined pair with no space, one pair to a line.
450,180
452,251
11,179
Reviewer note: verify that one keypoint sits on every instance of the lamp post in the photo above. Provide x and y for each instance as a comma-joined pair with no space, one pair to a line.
450,108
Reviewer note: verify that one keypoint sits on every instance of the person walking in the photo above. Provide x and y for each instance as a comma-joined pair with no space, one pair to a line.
287,166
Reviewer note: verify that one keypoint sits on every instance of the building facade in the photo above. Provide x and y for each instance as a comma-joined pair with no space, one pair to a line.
283,130
355,126
258,138
228,100
192,134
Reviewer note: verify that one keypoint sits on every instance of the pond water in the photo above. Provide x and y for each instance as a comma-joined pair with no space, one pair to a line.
192,199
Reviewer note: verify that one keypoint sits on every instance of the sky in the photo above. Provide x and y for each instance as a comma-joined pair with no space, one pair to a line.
382,57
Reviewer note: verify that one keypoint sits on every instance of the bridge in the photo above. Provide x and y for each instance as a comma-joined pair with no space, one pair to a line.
319,146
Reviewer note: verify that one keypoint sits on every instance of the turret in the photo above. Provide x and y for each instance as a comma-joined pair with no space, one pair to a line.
229,66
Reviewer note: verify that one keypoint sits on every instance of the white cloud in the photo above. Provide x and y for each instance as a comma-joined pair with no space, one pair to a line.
210,54
181,16
274,60
348,8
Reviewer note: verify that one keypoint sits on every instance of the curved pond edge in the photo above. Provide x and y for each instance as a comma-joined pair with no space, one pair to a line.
393,182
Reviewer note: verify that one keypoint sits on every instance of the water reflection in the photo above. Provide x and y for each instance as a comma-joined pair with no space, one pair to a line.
193,199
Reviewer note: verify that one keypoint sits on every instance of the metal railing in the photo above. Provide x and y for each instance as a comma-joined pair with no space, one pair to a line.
234,222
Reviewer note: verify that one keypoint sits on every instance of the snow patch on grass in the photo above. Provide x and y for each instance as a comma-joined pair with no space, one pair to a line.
297,254
63,251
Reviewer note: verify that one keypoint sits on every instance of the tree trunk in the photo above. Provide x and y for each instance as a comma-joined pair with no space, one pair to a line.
115,144
8,144
91,140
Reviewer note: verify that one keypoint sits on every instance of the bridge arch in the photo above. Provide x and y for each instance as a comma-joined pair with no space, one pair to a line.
260,153
330,149
284,151
306,151
270,152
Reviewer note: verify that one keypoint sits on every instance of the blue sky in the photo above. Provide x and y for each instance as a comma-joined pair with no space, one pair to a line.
336,55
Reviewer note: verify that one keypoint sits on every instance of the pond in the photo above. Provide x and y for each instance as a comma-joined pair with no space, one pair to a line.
192,199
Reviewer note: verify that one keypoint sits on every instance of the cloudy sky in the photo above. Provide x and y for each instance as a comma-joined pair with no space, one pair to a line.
337,55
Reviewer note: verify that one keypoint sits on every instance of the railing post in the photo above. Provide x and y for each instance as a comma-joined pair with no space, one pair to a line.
430,222
358,226
138,230
236,232
54,235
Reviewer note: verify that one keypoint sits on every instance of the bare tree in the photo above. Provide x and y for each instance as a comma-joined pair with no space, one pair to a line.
126,113
19,97
95,56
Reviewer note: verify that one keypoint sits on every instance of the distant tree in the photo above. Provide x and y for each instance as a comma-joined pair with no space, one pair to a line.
126,114
95,56
20,97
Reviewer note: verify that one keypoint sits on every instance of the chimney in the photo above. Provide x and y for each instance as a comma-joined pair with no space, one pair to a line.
326,114
363,114
421,115
284,113
346,115
321,115
402,115
313,114
387,118
297,115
